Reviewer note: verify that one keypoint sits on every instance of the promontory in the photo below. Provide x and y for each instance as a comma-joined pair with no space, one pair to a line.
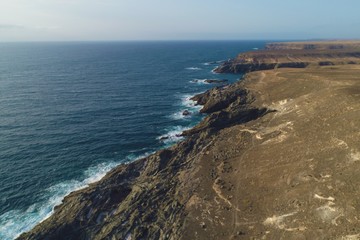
276,157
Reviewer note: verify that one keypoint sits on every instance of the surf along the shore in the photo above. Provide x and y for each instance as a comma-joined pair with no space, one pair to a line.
22,218
244,164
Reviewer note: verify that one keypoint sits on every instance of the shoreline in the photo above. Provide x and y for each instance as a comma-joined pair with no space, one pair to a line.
174,138
108,167
119,168
253,137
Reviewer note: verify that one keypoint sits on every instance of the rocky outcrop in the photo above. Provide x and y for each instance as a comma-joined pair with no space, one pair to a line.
186,112
220,98
211,81
215,80
233,66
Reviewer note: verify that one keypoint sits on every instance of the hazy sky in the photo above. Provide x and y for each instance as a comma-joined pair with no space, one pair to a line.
42,20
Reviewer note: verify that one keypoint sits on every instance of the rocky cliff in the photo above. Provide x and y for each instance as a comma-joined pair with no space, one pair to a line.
294,55
277,157
310,45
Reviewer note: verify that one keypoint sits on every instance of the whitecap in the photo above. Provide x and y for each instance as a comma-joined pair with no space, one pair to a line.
133,157
173,135
15,222
193,68
199,81
187,102
213,62
180,115
213,71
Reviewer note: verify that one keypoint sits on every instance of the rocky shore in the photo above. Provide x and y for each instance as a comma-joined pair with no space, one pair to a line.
277,157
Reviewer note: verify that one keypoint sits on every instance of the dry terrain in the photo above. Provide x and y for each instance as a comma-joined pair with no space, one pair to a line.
277,157
291,174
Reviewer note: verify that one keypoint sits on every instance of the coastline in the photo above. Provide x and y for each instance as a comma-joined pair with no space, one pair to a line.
194,188
132,127
124,176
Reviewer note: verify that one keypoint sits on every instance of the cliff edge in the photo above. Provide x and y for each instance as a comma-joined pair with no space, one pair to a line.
277,157
294,55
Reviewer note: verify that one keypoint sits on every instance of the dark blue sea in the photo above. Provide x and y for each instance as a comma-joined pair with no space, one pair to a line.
69,112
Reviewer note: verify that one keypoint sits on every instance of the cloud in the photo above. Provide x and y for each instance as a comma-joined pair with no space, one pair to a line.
30,28
11,27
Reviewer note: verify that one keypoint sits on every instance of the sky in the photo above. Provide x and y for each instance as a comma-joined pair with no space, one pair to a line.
113,20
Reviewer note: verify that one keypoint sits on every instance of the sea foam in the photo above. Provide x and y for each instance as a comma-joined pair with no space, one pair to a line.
15,222
186,104
173,135
199,81
213,63
193,68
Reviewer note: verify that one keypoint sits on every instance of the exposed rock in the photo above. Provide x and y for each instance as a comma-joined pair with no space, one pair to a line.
186,113
164,138
216,80
219,98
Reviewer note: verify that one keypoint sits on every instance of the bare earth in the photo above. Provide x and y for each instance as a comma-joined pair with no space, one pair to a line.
278,157
292,174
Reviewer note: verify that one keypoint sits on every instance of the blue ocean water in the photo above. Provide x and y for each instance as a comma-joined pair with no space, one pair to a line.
69,112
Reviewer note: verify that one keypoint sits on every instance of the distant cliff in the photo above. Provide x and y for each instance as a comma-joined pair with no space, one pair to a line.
323,45
293,55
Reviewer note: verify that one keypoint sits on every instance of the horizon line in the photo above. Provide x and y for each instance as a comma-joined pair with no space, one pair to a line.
180,40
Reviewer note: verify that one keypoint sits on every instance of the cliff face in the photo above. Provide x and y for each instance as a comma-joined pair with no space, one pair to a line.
293,55
323,45
276,158
147,199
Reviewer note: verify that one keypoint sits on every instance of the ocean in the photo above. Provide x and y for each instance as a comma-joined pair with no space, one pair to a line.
71,111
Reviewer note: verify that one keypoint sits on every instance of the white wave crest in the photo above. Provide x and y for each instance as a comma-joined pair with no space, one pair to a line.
173,135
199,81
15,222
213,62
189,105
187,102
213,70
180,115
193,68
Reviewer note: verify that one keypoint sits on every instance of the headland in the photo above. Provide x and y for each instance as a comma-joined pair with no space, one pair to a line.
277,157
